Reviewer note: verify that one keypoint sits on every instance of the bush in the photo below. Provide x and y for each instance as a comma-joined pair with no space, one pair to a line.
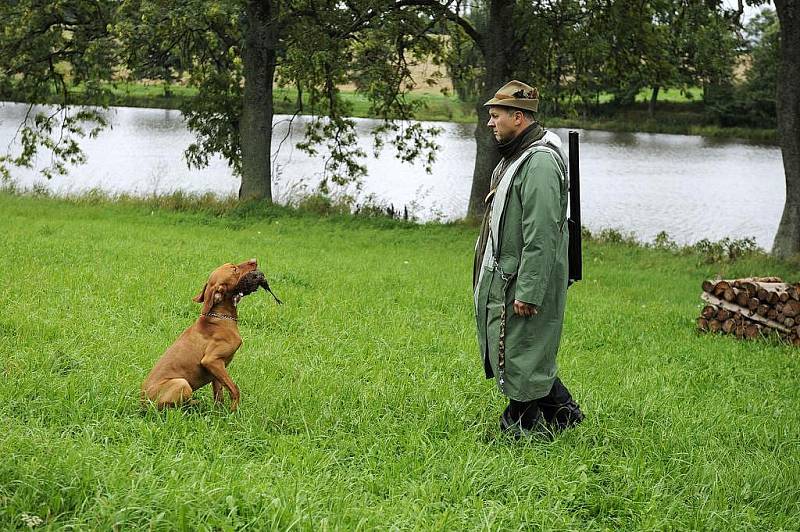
725,250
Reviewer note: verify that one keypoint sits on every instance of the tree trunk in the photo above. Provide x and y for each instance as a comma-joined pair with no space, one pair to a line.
298,106
787,240
498,70
651,108
255,135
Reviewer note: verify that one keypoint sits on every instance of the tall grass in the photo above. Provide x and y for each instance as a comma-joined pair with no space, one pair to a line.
363,400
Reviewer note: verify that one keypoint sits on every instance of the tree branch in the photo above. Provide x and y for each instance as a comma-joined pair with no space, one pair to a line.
443,9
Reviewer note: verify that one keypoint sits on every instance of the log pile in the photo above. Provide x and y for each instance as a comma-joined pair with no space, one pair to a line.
752,307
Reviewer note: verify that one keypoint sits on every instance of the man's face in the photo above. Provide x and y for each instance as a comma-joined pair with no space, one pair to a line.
505,125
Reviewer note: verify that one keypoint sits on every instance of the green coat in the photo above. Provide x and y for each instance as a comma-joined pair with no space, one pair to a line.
531,233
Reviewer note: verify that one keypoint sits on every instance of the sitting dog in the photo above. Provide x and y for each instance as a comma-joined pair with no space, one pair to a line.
200,355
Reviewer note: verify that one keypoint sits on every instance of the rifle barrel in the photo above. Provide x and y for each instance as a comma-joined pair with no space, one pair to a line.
575,206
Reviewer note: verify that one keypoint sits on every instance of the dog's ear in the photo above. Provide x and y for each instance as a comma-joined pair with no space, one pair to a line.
210,295
199,297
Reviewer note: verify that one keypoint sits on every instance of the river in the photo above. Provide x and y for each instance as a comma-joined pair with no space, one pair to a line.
639,183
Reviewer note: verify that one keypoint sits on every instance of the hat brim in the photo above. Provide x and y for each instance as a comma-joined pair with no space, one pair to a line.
517,103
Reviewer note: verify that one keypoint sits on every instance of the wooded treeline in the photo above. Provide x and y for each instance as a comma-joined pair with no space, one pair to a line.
579,52
594,57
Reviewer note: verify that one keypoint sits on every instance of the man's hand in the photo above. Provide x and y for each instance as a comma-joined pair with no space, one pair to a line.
523,309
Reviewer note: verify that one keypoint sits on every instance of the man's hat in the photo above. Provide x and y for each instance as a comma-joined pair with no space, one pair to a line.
516,94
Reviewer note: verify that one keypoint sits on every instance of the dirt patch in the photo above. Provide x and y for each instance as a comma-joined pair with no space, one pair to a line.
421,73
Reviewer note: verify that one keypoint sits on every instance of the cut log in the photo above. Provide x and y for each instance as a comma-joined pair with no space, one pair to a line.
765,279
720,287
794,292
792,308
762,293
739,331
789,322
714,325
755,317
728,326
708,312
702,324
773,297
772,292
729,294
748,286
753,303
752,331
762,310
772,314
724,314
708,286
742,297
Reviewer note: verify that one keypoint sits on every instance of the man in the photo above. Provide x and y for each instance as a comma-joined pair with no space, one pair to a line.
520,272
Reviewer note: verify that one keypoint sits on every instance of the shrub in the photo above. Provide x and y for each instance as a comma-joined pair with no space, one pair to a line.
725,250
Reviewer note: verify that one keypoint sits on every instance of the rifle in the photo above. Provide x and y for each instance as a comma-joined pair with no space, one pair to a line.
575,254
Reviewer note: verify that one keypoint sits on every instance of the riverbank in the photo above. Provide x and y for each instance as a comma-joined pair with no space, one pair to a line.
674,114
363,401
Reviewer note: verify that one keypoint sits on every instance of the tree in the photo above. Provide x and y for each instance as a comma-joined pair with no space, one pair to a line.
787,239
500,39
762,76
237,50
233,51
45,48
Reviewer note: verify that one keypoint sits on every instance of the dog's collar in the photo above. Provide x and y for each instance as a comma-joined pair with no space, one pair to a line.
222,316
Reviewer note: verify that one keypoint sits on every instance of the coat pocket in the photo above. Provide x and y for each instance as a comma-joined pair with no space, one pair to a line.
501,289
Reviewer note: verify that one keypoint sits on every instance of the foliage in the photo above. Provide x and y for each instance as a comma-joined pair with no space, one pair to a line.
762,77
578,49
202,41
758,94
664,242
725,250
46,47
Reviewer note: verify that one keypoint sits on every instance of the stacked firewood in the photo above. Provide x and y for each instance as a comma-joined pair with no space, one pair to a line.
751,307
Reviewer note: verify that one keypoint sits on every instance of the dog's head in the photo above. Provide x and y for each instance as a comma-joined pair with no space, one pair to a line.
221,283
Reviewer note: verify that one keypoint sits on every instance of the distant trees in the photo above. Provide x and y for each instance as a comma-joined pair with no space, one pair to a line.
762,77
576,51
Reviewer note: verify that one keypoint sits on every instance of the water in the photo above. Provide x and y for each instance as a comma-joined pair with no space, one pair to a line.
639,183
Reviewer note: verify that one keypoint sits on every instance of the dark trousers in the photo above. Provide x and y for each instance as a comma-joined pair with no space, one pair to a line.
556,407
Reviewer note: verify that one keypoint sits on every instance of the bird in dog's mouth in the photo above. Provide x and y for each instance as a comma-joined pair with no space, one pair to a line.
249,283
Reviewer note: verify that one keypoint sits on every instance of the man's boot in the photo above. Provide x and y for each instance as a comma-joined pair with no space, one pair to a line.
524,419
558,408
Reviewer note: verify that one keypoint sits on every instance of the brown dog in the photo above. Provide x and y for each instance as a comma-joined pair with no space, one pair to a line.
202,352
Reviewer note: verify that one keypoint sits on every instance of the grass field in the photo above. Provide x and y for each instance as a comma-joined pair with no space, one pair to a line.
363,400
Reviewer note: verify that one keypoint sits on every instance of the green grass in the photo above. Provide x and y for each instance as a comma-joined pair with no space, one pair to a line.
363,400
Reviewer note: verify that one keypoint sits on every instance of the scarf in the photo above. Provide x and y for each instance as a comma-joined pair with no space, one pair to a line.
509,150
